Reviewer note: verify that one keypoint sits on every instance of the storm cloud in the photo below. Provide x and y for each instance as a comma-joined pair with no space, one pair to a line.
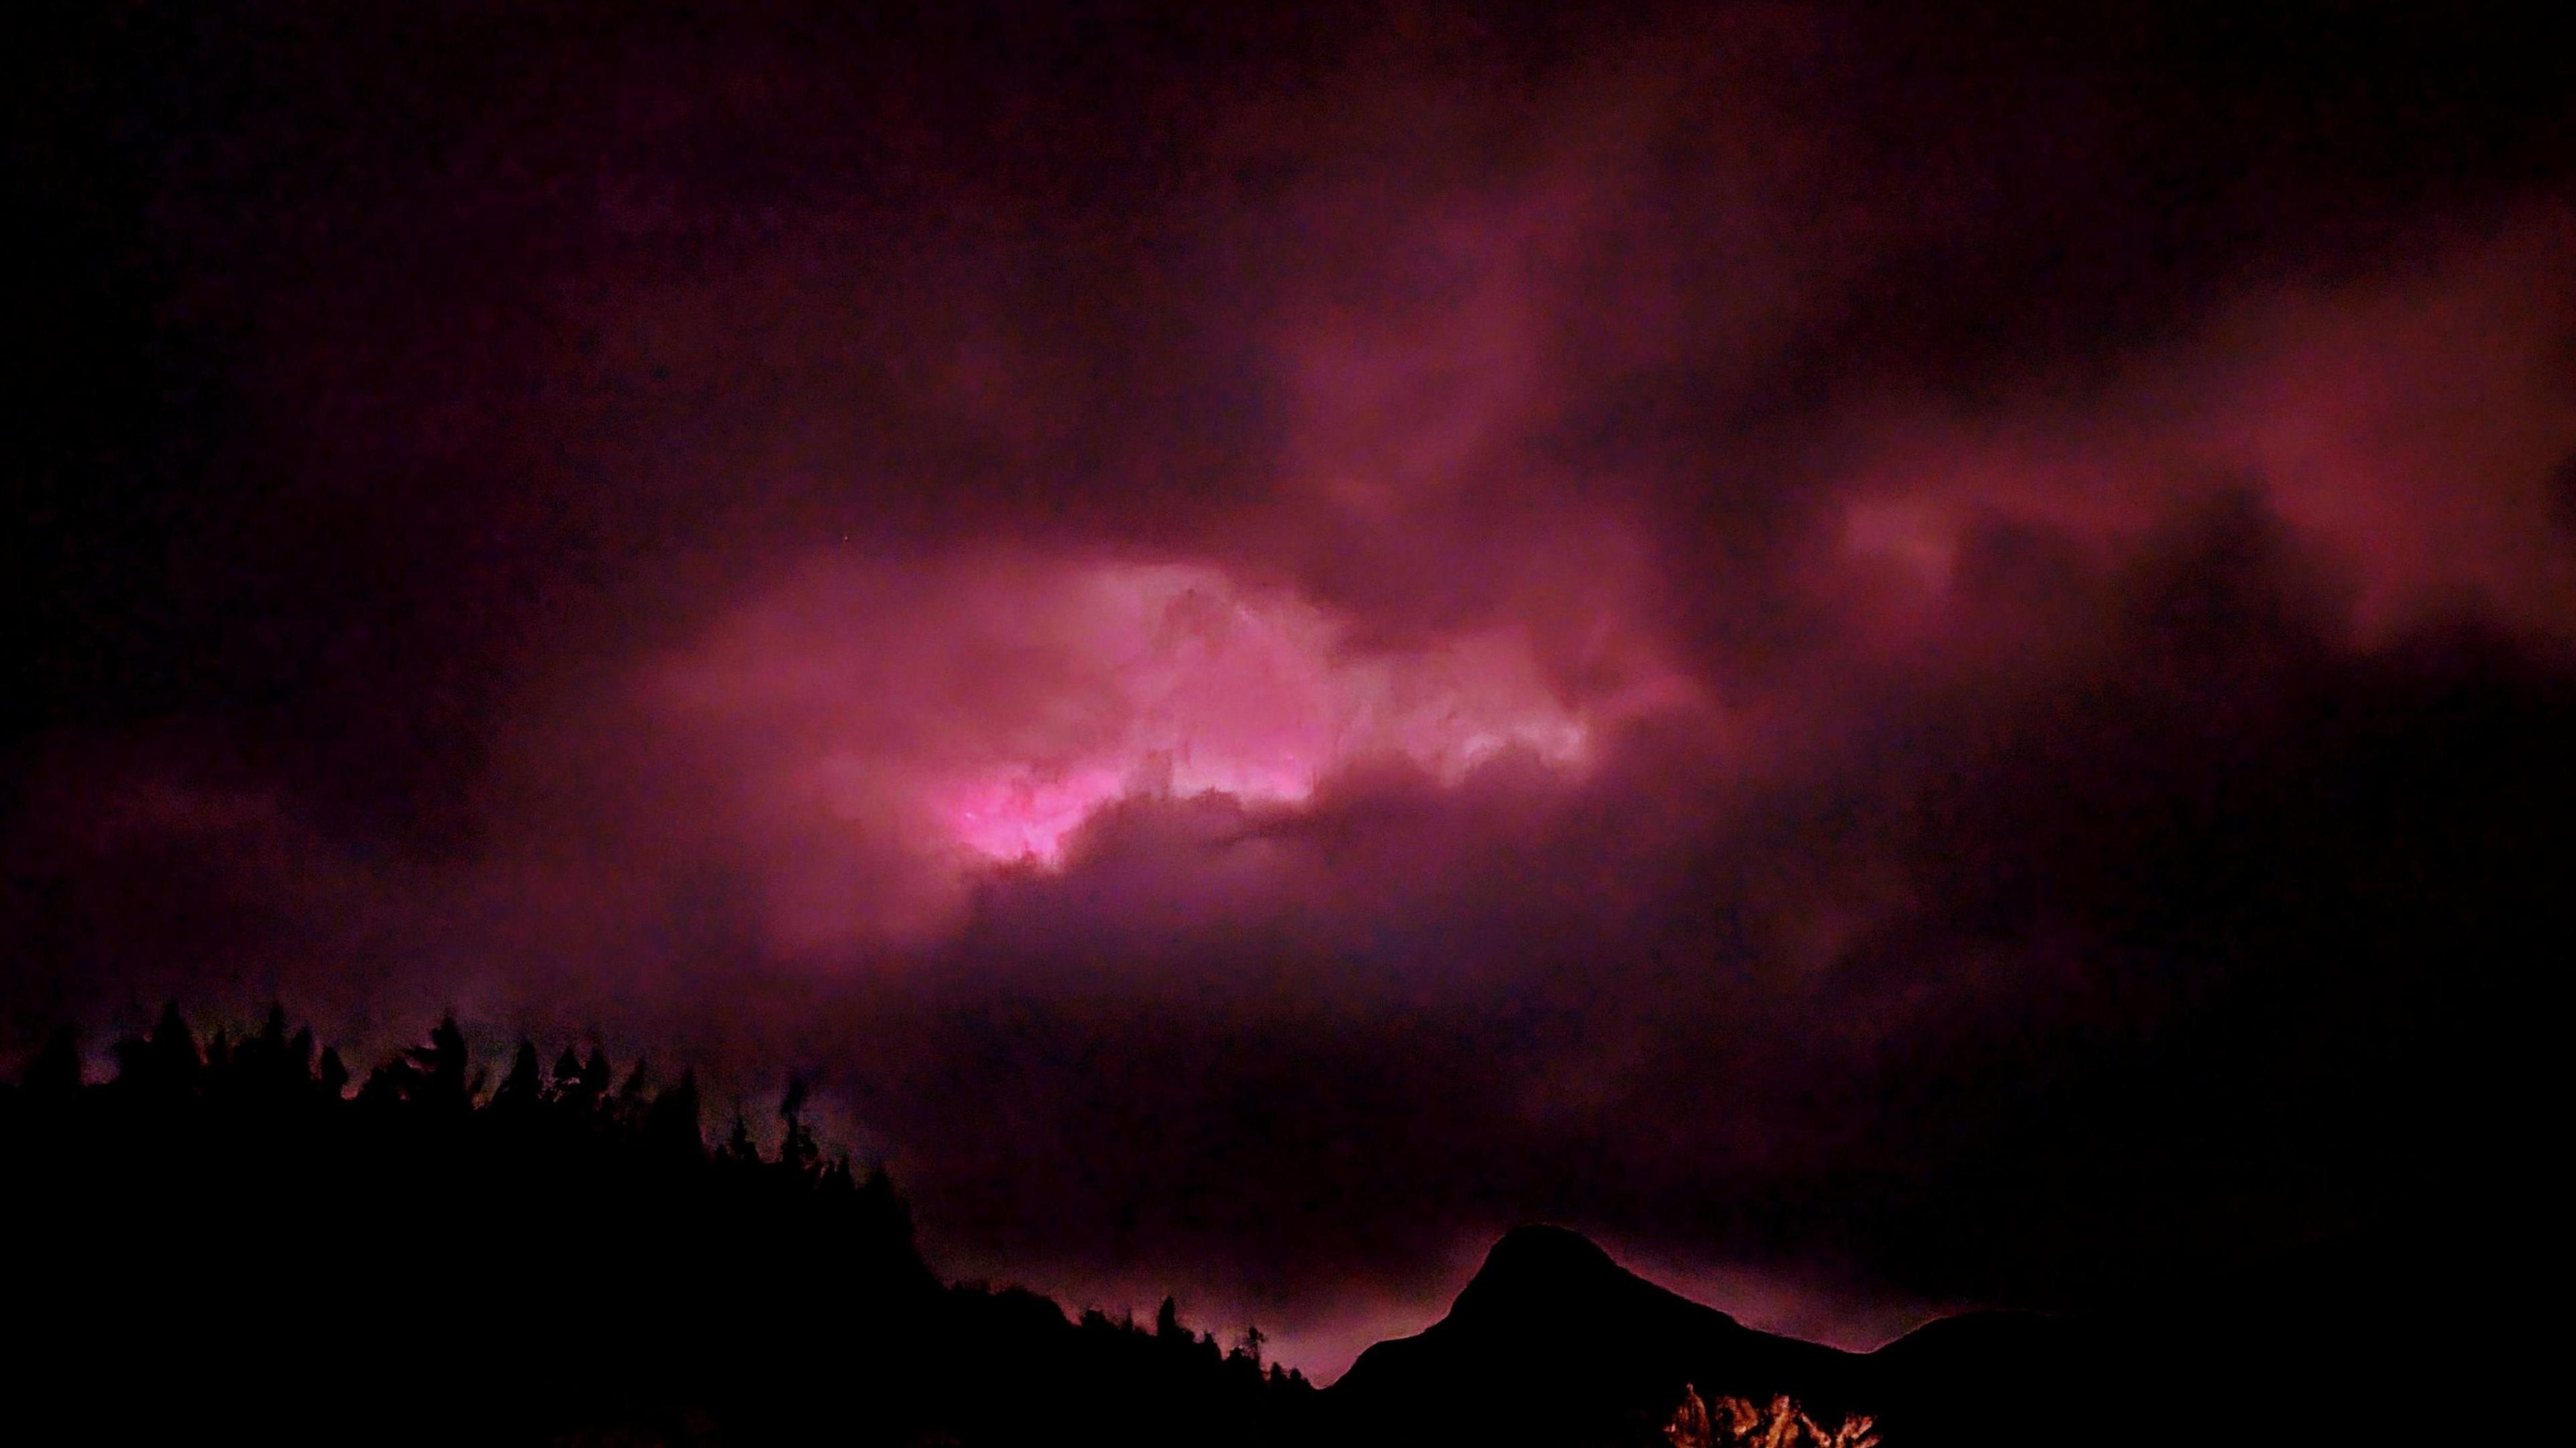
1894,663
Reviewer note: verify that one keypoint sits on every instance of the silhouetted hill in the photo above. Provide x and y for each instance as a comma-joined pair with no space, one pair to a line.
1552,1342
226,1242
1557,1343
1554,1345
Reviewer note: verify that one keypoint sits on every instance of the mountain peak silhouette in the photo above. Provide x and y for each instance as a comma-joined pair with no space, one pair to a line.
1543,1256
1551,1278
1552,1341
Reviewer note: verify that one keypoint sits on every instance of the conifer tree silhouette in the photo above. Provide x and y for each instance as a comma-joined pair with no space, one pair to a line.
164,1063
524,1088
636,1094
739,1148
671,1122
798,1150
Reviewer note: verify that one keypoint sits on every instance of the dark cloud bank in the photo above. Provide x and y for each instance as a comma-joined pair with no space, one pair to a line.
1892,663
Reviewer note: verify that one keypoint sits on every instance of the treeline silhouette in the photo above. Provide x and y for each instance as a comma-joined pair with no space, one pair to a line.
228,1241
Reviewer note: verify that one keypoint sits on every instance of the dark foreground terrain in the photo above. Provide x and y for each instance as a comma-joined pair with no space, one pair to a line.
230,1240
227,1240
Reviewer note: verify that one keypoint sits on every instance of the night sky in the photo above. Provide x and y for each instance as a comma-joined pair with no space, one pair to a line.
1896,657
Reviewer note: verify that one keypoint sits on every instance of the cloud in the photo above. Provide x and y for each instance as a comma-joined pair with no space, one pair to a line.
1266,665
950,716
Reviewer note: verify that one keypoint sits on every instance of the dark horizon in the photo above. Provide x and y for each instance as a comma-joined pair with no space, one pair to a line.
1892,662
1320,1351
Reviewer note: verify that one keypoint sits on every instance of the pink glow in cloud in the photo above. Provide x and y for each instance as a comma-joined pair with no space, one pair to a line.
984,711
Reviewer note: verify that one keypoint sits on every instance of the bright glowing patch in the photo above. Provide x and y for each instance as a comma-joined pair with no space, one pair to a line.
1025,817
923,717
1210,689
